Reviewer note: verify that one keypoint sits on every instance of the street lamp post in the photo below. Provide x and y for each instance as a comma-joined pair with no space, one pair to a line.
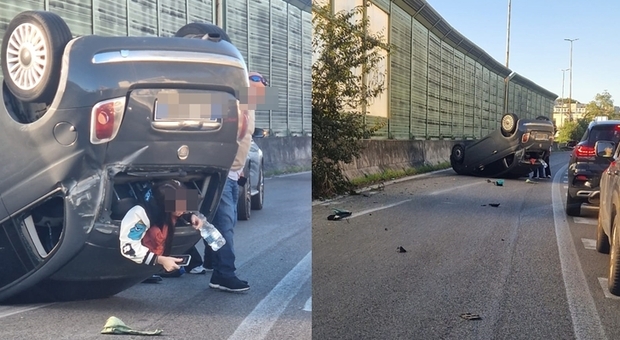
570,82
506,80
563,99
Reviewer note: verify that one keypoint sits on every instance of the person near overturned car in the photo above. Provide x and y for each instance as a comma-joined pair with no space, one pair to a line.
144,229
222,262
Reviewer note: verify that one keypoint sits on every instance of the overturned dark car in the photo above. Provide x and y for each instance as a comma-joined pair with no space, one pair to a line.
87,125
512,151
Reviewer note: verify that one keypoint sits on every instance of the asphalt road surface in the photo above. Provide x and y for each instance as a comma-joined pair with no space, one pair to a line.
273,253
521,270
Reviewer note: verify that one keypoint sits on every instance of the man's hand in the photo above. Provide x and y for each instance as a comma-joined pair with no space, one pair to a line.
169,263
196,222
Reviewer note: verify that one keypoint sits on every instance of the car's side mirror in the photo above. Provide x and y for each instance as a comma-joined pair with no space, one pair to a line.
259,133
605,148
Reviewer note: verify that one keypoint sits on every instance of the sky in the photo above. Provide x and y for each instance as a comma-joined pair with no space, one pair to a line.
538,50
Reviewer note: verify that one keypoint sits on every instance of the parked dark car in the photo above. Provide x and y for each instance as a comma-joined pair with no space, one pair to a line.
512,151
252,194
585,167
86,125
607,233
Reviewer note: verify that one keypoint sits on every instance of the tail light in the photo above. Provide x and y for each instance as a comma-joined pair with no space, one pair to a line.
581,178
583,151
525,137
243,124
106,118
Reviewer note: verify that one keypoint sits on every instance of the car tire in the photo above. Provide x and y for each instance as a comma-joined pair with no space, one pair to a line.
508,124
457,155
257,200
602,241
614,261
573,206
244,202
30,77
199,29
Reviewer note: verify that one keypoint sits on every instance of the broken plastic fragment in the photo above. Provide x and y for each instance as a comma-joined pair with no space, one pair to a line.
401,249
494,204
470,316
115,325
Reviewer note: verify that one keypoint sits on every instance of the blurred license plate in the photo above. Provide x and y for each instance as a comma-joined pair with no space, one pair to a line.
541,136
189,106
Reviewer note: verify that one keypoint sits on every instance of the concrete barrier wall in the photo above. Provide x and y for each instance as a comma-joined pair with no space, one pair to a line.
381,155
286,153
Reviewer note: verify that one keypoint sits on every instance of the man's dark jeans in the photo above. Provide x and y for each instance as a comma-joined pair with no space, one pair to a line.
223,260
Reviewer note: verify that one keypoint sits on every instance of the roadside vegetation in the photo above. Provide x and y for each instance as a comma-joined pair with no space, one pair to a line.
392,174
345,56
601,106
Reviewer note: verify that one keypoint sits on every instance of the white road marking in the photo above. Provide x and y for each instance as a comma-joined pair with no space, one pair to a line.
364,212
12,310
589,243
603,281
585,220
258,323
566,187
586,321
289,175
308,305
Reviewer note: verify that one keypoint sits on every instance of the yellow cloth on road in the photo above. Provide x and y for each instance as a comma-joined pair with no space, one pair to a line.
115,325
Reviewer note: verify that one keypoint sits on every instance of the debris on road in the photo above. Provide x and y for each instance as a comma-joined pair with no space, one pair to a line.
115,325
400,249
499,182
470,316
339,214
495,205
530,181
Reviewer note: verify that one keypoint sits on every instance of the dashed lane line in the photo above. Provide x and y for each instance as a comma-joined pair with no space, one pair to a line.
603,282
589,243
585,220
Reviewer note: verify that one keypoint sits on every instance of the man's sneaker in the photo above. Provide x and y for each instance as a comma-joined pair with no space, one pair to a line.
198,270
232,284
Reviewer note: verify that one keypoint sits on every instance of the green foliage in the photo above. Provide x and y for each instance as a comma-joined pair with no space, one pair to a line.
573,130
345,55
602,105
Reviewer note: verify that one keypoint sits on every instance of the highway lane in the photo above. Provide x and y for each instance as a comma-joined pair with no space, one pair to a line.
273,253
524,268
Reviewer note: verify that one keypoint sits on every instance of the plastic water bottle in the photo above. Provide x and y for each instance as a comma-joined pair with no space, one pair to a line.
213,236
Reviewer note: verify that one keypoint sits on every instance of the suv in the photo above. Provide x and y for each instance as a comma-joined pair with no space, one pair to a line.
87,125
585,166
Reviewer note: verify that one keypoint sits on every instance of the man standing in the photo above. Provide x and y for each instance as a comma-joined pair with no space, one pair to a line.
223,261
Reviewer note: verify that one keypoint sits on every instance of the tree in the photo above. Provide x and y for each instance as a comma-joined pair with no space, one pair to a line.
602,105
572,130
345,55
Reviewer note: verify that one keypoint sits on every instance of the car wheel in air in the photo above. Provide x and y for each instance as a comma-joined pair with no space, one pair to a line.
573,206
456,159
509,124
31,54
614,260
602,241
244,202
257,200
199,29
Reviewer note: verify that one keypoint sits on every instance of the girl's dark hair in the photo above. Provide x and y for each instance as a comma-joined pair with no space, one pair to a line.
161,190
